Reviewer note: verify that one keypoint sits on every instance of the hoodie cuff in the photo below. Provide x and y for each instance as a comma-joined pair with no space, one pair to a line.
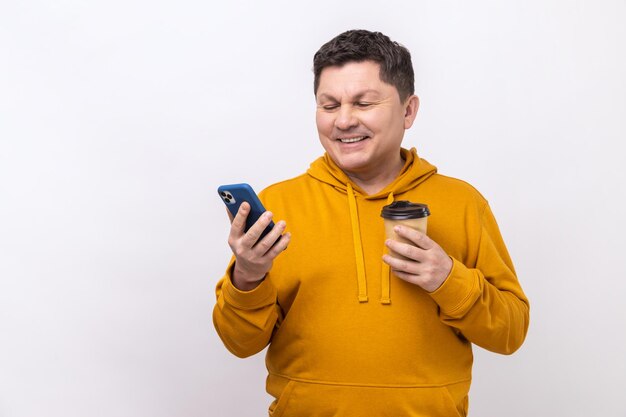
264,294
458,292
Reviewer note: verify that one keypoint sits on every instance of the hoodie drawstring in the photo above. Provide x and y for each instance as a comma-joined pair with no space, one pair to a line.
358,247
385,276
385,273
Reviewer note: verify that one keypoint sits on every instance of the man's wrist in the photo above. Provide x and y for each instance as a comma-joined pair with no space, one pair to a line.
243,283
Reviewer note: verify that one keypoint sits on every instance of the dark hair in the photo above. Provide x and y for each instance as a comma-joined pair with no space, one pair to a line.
362,45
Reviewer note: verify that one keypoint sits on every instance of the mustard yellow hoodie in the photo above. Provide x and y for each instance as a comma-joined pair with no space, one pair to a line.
346,337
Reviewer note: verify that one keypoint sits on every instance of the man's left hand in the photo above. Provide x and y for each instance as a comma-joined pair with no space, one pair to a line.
424,263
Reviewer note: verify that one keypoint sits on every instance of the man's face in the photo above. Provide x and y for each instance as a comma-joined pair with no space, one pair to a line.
360,119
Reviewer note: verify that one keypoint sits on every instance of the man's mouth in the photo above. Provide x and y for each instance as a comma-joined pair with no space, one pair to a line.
352,140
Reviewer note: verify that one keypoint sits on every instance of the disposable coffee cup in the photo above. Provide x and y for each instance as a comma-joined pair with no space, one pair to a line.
405,213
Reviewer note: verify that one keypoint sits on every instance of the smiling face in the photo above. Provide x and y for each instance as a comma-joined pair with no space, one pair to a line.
361,121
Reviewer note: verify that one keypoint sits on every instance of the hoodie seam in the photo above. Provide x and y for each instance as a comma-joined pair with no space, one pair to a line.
283,182
368,385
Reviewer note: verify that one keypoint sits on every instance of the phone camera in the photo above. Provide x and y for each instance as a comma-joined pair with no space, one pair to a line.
227,197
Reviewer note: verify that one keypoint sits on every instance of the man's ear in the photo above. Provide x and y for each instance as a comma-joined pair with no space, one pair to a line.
411,106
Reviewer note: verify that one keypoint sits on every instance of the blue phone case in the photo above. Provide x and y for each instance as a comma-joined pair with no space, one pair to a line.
234,194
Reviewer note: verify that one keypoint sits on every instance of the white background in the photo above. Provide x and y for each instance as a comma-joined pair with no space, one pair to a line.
119,119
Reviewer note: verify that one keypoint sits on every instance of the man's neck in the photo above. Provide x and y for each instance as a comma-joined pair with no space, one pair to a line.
376,182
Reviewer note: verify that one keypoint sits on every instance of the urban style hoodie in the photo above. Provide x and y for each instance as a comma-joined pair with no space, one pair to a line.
348,338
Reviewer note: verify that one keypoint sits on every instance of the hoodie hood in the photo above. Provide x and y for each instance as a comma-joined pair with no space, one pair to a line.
414,172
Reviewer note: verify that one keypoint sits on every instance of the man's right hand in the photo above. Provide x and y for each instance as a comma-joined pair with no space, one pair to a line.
254,257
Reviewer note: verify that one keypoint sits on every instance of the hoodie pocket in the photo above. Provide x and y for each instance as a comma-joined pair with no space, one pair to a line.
277,408
303,399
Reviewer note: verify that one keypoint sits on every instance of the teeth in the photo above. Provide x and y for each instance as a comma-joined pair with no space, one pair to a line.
352,140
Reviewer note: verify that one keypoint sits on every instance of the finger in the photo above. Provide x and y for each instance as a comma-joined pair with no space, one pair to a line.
406,250
415,236
404,265
252,235
238,225
404,275
265,244
279,246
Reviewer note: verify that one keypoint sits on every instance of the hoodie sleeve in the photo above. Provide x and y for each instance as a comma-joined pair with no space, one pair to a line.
486,303
245,320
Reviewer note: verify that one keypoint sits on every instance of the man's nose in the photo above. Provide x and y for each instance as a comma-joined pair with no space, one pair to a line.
346,118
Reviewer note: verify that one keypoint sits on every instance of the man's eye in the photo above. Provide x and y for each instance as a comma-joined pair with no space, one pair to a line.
363,104
330,106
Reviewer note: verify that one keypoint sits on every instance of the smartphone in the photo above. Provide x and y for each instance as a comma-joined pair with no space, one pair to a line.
234,194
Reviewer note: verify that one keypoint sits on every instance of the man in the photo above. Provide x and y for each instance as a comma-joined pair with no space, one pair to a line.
352,330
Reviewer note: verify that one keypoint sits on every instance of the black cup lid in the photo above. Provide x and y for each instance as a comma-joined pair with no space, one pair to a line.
402,210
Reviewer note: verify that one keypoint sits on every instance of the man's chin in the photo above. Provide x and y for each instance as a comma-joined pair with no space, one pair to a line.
351,163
